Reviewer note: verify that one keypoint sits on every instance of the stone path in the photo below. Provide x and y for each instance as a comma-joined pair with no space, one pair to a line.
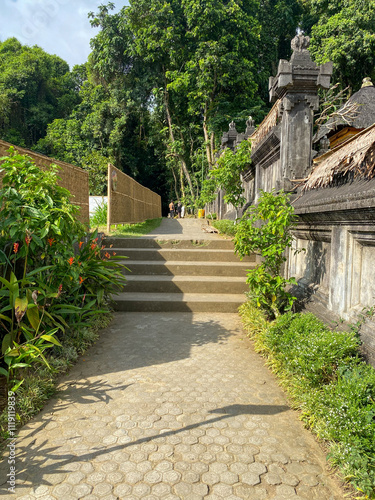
181,229
169,406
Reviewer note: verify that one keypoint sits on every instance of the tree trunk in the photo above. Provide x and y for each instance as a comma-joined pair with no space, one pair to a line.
207,139
184,168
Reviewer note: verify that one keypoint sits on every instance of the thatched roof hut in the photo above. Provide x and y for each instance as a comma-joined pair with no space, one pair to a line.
355,158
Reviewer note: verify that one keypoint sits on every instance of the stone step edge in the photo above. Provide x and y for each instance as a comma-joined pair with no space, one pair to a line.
176,278
179,297
200,263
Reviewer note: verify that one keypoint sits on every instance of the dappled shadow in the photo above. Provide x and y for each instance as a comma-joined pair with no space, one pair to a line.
88,392
36,462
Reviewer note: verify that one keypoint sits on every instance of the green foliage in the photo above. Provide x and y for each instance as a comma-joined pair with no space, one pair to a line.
138,229
49,277
99,217
35,88
34,204
208,192
266,229
179,72
344,33
227,173
225,226
324,374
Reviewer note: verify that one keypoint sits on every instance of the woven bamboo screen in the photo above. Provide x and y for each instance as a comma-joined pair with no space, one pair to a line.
128,201
72,178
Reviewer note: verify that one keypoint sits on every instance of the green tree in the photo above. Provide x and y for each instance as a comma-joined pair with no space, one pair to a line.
343,32
35,88
193,66
227,173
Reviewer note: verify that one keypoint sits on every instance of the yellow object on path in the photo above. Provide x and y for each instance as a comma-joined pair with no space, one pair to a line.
201,214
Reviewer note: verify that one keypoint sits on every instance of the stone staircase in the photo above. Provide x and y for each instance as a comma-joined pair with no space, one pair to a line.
181,276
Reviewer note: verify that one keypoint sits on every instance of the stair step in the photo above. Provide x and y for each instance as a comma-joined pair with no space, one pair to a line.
217,244
178,302
177,254
185,284
178,268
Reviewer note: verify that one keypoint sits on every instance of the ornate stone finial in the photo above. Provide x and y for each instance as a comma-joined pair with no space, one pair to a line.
250,122
300,42
366,82
232,125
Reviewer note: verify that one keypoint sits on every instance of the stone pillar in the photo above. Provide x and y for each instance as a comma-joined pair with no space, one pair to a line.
296,85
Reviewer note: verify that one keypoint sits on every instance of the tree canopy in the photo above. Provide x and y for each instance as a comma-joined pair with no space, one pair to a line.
164,79
35,88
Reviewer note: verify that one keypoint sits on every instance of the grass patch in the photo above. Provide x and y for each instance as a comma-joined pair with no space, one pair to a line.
40,383
328,381
225,226
131,230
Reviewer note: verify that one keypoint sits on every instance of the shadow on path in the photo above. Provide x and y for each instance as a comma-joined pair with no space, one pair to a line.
37,460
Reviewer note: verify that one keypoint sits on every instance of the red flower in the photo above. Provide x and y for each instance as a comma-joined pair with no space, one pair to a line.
27,240
60,290
16,247
71,260
81,280
93,246
51,241
96,239
107,255
114,253
80,244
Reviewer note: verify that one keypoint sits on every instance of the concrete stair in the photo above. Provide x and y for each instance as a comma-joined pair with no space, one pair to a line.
181,276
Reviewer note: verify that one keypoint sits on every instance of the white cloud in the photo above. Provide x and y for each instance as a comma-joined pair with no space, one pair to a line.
58,26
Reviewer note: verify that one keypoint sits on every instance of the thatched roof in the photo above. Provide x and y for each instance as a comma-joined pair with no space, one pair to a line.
357,112
355,157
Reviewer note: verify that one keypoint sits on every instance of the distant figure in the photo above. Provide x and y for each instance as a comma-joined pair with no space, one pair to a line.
179,210
171,210
183,211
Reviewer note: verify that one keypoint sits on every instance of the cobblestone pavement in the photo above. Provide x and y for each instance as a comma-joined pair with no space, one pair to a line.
169,406
182,229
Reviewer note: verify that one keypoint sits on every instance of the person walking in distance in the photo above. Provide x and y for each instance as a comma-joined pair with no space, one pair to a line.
171,210
179,210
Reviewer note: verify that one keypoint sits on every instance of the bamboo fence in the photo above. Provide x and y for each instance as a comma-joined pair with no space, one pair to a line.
128,201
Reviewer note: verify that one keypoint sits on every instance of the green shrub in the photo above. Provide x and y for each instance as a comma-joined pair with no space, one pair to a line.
265,228
225,226
327,380
99,217
304,347
52,274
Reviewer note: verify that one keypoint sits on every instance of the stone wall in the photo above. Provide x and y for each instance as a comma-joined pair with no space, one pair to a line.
335,234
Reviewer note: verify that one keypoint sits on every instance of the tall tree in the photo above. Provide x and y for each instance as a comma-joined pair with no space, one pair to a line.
343,31
35,88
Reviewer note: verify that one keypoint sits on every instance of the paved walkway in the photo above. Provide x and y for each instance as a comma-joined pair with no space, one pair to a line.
181,229
169,406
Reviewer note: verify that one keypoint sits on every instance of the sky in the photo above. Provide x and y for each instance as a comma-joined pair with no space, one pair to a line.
59,27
